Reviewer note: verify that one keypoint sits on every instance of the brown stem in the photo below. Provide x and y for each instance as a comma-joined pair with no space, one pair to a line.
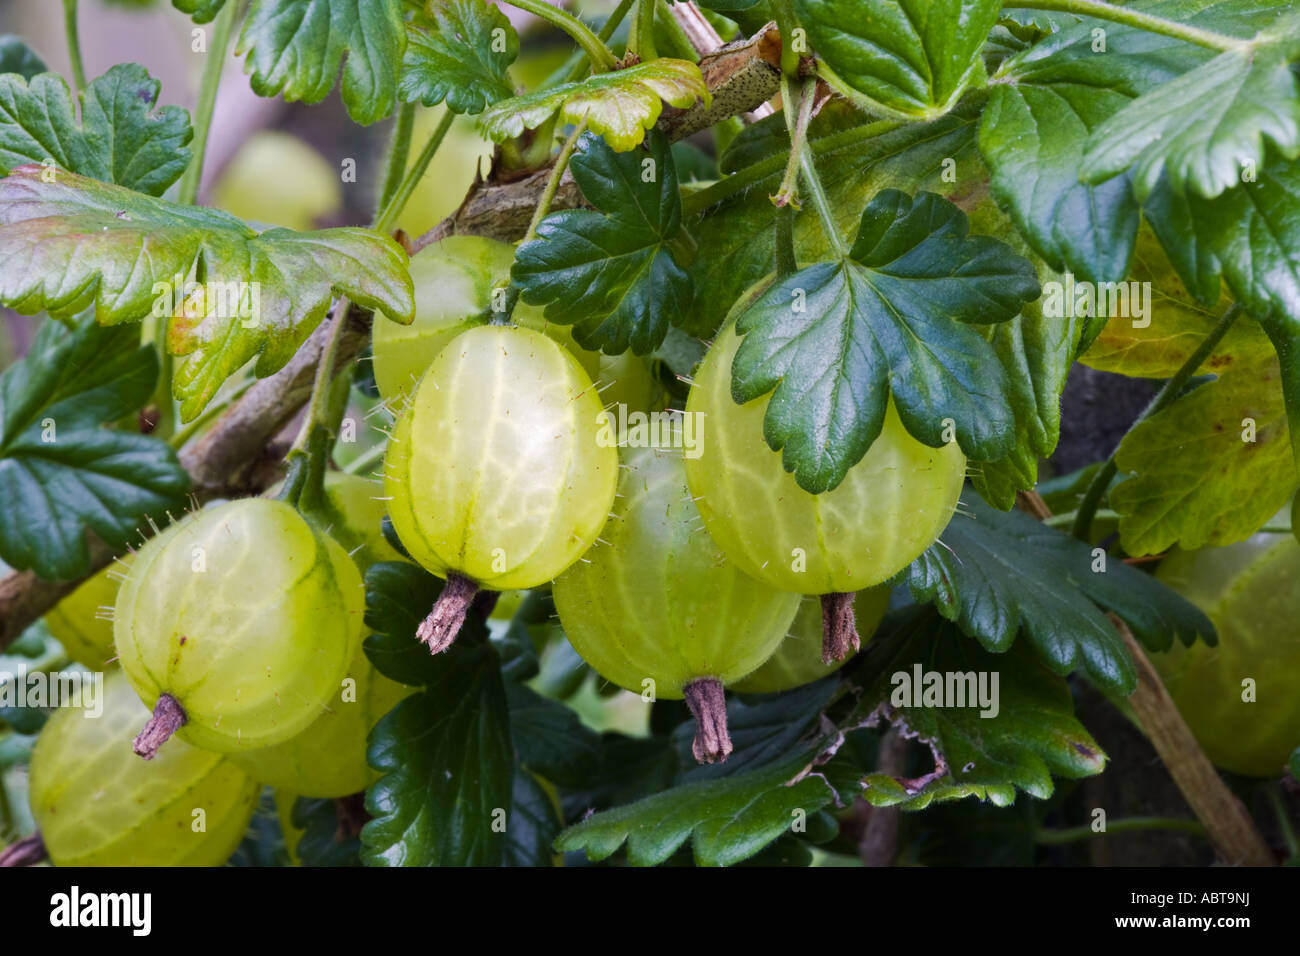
879,843
26,852
442,625
708,706
1230,827
168,717
839,629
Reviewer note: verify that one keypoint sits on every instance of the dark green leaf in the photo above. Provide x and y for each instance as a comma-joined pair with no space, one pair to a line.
295,47
726,820
738,233
630,768
610,273
910,58
1046,102
263,843
1246,236
550,740
120,139
202,11
532,825
448,767
73,242
61,473
999,574
1030,732
837,339
1203,130
452,54
17,57
1036,352
324,841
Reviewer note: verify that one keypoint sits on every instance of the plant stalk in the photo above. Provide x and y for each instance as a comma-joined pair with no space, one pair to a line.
74,47
223,28
399,151
402,195
602,60
1137,19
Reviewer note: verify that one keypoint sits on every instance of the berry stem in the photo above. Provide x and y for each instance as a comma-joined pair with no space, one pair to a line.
442,625
26,852
168,717
708,706
839,629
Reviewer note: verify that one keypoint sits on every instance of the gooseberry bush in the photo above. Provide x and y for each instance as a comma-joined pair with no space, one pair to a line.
686,488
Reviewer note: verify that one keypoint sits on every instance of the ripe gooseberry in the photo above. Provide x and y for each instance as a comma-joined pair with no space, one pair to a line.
328,759
97,804
454,282
656,606
83,622
236,624
889,508
495,473
798,658
1248,590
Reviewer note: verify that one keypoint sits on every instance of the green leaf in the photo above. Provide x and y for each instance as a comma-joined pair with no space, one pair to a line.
1244,236
549,738
1032,735
295,47
201,11
738,233
630,768
324,841
448,766
1192,478
61,472
1045,103
1204,129
836,339
17,57
451,55
620,105
611,274
908,58
121,138
72,242
726,820
532,824
1036,352
1002,574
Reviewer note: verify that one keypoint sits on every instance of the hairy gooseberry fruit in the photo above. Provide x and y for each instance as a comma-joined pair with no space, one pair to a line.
798,658
328,759
454,280
660,603
97,804
83,621
236,624
1249,591
496,474
889,508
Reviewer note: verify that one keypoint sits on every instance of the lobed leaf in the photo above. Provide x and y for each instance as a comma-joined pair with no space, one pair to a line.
908,58
452,54
120,139
998,575
620,106
1016,737
611,274
837,339
294,48
71,242
61,472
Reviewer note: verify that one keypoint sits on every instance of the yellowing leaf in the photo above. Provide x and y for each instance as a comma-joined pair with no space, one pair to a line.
620,106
